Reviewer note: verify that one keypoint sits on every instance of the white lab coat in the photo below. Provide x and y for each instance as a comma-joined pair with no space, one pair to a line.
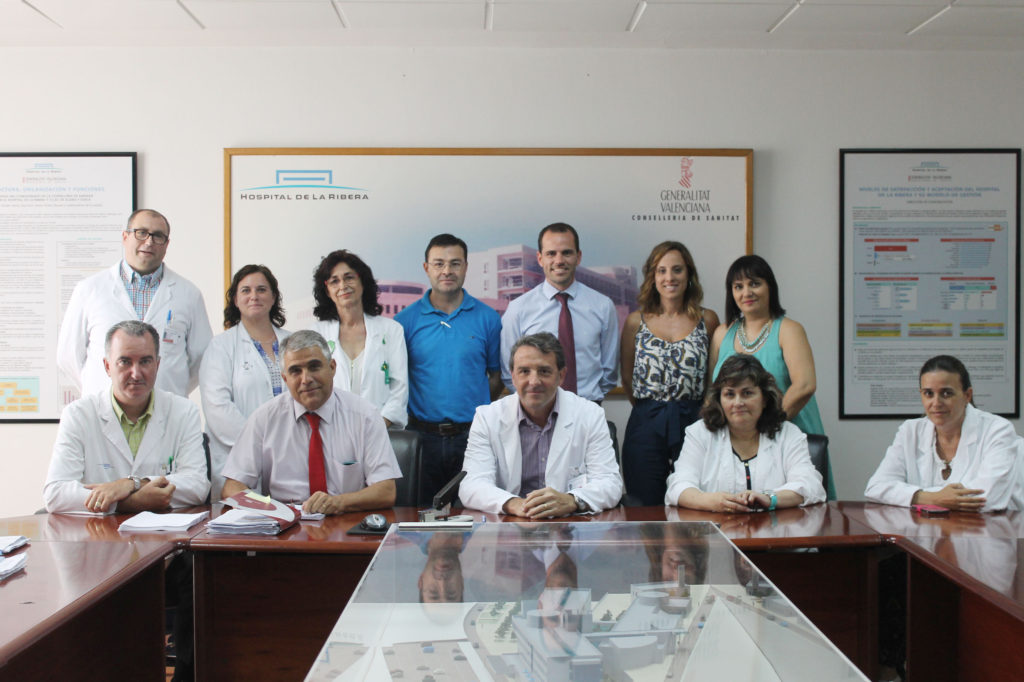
233,381
92,448
100,301
385,343
708,464
581,446
987,458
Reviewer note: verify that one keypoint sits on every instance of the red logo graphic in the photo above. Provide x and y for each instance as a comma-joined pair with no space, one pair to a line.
686,175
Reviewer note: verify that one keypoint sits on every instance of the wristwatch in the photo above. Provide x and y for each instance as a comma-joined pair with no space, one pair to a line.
136,482
773,497
581,505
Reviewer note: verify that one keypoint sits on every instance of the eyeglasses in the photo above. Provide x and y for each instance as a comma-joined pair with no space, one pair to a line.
454,265
159,238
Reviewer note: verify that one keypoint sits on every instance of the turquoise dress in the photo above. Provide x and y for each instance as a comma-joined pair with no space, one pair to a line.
770,357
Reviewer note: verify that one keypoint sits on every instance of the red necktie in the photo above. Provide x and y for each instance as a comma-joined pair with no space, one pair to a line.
317,475
565,337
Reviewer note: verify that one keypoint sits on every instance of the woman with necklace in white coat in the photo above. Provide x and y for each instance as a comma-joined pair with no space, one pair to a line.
743,455
956,456
369,348
241,367
755,324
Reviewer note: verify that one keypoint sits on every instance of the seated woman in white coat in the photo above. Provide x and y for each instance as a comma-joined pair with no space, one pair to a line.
241,367
369,348
743,455
956,456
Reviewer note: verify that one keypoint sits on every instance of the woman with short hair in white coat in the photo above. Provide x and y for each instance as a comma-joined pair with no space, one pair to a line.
743,455
956,456
241,367
369,348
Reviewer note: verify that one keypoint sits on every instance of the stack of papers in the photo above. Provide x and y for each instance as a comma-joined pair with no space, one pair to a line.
9,543
245,522
12,564
148,522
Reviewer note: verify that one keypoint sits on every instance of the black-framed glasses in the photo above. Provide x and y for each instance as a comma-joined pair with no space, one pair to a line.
159,238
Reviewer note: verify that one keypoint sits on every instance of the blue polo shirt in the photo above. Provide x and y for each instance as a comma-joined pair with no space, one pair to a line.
449,357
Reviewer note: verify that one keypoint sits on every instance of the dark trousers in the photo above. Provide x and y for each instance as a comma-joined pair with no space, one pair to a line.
440,461
178,591
654,437
892,612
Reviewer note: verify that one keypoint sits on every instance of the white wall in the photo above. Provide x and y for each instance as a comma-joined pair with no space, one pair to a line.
180,107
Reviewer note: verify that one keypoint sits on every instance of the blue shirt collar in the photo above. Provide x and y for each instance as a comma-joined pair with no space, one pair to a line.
550,290
429,309
130,275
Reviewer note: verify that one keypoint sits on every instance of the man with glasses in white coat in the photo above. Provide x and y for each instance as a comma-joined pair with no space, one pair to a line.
139,287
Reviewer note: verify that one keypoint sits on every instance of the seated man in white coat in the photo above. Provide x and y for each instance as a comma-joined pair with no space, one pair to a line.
542,452
328,449
130,448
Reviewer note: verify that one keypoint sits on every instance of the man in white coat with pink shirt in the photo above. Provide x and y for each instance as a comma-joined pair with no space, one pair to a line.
542,452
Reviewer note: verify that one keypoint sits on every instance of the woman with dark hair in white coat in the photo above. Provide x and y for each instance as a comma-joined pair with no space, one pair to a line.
743,455
369,348
956,456
241,367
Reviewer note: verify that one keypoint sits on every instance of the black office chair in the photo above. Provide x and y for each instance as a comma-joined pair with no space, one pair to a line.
614,433
209,465
627,499
818,445
406,445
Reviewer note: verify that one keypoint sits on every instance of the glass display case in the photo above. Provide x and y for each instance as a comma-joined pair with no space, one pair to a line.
572,601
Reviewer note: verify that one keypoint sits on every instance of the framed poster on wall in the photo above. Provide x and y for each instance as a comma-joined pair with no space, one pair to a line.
61,216
929,265
287,208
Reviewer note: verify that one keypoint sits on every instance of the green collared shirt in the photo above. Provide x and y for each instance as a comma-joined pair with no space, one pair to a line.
133,432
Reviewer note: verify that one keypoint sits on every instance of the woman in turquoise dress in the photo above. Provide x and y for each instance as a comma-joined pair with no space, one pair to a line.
755,324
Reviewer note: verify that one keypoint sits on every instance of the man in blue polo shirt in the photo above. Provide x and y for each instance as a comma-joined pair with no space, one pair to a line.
454,343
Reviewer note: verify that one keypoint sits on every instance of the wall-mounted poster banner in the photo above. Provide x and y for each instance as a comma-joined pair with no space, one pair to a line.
61,216
929,265
287,208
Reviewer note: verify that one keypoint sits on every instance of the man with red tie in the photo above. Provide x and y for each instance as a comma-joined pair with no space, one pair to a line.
584,320
324,448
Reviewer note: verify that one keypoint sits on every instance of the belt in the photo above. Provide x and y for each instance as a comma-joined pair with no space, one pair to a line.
440,428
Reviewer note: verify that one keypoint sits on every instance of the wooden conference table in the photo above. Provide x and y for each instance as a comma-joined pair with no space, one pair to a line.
264,606
90,602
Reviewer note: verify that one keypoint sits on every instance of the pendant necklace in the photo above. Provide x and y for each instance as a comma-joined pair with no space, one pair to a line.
947,463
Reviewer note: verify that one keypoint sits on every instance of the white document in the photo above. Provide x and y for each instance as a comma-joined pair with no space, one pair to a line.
12,564
244,522
148,521
9,543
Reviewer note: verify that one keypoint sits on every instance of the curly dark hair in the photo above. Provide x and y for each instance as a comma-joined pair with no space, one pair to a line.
650,299
325,308
735,370
232,315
